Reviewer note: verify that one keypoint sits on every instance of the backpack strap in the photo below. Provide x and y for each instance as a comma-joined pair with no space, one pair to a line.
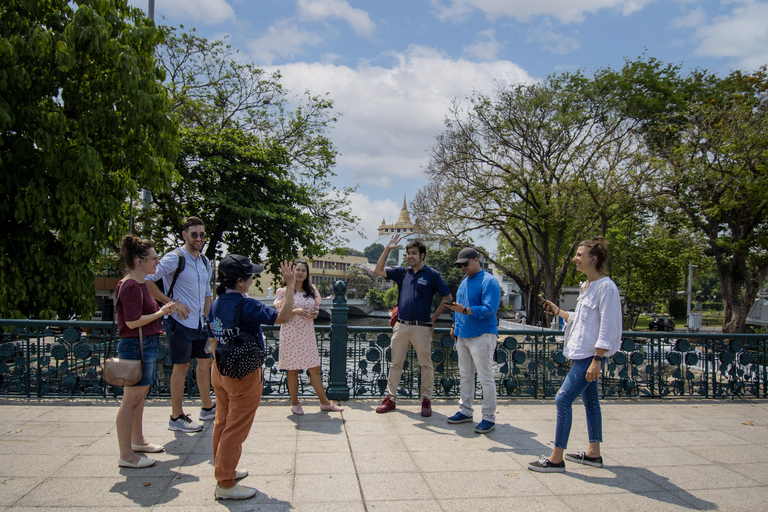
179,269
238,311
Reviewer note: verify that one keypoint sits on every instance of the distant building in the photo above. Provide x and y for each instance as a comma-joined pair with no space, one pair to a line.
409,231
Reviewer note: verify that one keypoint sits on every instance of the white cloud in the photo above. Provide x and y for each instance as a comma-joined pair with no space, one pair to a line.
319,10
551,40
742,35
370,212
209,12
283,39
566,11
696,18
485,47
390,115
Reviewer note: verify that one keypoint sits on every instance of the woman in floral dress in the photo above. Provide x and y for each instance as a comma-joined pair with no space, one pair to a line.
298,347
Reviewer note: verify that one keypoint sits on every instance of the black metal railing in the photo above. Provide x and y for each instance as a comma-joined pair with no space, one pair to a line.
64,358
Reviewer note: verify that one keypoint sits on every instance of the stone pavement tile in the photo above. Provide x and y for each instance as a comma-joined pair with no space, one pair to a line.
273,428
192,491
324,463
34,465
588,480
386,486
700,438
624,440
111,491
676,478
396,505
466,440
29,430
9,446
384,461
318,427
267,463
15,487
757,471
368,427
462,460
22,412
752,434
351,506
506,504
732,454
97,508
74,412
106,465
660,456
323,445
325,488
485,484
749,499
255,443
661,501
376,443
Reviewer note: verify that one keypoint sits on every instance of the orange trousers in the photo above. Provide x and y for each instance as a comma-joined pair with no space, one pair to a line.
236,404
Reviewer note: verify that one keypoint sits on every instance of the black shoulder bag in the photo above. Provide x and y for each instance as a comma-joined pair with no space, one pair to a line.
240,355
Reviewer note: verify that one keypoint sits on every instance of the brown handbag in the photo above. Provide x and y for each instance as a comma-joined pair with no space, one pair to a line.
123,372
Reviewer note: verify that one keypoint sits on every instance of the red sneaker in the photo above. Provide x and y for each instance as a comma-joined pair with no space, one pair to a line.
426,408
386,406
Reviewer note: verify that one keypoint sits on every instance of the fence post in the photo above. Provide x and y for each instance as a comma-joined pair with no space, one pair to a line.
337,388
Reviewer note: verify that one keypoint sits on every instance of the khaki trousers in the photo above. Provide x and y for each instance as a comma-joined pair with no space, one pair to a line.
236,404
420,337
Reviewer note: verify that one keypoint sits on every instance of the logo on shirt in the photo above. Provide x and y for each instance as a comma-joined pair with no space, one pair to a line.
422,281
221,334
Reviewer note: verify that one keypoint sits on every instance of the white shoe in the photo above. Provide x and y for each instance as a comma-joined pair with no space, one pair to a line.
240,474
147,448
143,463
236,492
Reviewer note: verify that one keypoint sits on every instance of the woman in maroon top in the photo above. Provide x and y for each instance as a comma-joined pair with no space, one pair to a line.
136,308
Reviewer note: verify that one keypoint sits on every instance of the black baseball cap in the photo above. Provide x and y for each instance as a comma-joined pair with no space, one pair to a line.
467,254
235,266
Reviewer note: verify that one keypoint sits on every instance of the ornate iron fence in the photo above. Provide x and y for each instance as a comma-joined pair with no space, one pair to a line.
63,358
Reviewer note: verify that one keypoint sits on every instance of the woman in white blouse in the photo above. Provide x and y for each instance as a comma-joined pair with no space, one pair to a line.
592,334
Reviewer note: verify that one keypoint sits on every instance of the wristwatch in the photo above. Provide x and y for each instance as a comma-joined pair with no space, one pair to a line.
465,310
597,358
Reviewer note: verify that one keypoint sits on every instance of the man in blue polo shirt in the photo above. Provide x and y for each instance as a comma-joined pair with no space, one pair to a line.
475,325
417,284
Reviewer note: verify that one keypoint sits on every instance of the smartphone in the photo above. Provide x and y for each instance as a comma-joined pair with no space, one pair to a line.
448,303
541,296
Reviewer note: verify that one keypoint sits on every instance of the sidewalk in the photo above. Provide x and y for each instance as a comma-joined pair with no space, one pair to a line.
659,454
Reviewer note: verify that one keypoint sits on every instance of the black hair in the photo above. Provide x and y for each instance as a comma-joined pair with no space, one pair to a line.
226,283
192,221
132,247
419,245
597,248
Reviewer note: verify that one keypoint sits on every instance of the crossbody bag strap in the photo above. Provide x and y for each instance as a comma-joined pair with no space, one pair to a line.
238,311
114,322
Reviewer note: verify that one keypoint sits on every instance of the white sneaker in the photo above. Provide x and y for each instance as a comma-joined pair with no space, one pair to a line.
208,415
184,424
236,492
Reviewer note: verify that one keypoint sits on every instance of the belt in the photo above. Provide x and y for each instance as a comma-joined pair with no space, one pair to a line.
408,322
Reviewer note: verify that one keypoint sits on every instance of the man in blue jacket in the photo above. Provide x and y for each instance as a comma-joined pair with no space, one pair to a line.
475,329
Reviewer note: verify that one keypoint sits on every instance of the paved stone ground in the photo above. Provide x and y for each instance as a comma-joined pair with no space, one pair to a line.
660,455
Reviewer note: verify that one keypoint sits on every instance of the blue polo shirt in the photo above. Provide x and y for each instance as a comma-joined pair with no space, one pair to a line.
481,293
416,291
221,317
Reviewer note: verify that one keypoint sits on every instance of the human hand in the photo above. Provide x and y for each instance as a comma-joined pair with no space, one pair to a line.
593,372
453,335
550,307
180,308
394,242
454,306
288,270
301,312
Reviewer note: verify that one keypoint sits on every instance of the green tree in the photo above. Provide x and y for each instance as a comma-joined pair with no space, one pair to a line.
443,262
373,252
539,166
360,278
213,92
84,122
390,297
711,133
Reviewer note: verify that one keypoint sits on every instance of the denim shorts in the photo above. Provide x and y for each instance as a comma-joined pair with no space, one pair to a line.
128,348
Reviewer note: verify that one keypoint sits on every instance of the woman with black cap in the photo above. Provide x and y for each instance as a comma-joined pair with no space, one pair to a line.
238,399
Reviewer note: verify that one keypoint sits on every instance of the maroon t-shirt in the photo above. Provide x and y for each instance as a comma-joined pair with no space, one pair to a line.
129,307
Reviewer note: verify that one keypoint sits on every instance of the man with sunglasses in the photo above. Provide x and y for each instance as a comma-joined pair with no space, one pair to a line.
475,329
417,284
186,329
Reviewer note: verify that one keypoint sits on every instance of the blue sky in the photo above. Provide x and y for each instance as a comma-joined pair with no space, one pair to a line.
393,67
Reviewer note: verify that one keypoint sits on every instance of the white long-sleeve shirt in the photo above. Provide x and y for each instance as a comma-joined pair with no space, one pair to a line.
597,321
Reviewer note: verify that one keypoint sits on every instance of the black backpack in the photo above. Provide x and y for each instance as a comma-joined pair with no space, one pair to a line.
179,269
242,354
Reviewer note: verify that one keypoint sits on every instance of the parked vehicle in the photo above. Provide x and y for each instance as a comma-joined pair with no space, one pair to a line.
661,323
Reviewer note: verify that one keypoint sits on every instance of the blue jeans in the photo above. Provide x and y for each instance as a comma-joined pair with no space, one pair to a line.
576,385
128,348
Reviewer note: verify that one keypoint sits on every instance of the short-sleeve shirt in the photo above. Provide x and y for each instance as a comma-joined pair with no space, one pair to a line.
416,292
129,308
221,317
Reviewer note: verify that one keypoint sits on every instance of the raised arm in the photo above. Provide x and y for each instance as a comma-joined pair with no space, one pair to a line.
394,243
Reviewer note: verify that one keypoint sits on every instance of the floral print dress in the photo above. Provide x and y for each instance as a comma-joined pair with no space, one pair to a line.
298,347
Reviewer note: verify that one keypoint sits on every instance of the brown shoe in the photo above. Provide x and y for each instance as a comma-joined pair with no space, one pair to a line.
426,408
386,406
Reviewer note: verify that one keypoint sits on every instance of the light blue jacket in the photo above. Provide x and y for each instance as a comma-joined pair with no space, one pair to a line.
481,293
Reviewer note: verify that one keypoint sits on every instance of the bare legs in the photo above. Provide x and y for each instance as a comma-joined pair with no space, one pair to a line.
129,422
314,378
178,379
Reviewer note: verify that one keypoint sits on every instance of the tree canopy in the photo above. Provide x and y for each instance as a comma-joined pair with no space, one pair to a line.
84,123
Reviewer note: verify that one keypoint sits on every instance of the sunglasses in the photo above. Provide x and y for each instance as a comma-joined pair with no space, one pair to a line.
195,236
465,264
